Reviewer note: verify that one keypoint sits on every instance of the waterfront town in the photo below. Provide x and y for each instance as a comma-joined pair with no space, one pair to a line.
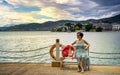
92,26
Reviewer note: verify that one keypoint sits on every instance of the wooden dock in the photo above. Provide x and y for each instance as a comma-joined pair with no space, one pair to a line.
46,69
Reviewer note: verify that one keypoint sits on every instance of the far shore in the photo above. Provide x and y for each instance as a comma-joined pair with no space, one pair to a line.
56,31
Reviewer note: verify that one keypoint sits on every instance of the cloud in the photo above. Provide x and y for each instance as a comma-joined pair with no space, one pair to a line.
27,11
0,1
107,2
107,15
56,13
4,8
16,3
107,7
17,18
8,16
67,2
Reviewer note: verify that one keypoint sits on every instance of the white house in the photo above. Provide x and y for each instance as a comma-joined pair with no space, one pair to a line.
116,27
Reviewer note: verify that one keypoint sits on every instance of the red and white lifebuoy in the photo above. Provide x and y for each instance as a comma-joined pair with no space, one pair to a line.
65,51
51,51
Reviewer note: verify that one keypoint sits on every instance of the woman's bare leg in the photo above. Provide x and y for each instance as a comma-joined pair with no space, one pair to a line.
81,65
79,68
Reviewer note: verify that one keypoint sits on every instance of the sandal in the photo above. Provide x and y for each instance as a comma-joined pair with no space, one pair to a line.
82,71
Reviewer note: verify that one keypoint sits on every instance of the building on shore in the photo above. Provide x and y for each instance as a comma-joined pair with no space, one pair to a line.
115,27
104,26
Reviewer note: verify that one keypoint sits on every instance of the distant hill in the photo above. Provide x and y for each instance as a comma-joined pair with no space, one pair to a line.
114,19
47,26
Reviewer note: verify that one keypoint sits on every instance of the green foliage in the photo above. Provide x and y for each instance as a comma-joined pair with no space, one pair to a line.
68,24
79,25
88,27
53,29
99,29
59,29
72,29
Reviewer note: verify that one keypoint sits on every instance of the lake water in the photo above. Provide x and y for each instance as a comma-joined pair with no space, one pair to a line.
104,46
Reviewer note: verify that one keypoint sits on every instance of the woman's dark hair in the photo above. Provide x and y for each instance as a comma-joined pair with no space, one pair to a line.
57,40
80,34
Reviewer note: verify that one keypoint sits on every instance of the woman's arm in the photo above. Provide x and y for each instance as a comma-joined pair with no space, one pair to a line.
88,45
73,56
74,43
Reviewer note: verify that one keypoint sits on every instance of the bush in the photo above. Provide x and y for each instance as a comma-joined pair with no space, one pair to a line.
59,29
88,27
99,29
77,28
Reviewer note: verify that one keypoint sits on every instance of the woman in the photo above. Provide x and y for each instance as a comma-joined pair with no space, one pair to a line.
80,52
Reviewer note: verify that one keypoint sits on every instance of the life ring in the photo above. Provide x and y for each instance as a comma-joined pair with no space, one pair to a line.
51,52
65,51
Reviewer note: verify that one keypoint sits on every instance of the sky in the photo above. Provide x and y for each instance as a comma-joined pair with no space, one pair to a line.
38,11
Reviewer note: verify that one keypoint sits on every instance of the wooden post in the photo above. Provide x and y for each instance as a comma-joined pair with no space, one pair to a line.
57,62
57,51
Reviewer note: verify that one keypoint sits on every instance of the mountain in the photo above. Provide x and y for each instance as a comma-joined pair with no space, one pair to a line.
114,19
47,26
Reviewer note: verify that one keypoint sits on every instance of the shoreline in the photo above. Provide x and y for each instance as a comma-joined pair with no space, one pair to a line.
58,32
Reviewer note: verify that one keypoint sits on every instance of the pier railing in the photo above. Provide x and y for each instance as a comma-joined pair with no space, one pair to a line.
42,54
37,55
101,53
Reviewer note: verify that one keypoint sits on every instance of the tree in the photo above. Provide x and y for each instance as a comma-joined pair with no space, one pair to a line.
68,24
88,27
79,25
59,29
99,29
72,29
53,29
